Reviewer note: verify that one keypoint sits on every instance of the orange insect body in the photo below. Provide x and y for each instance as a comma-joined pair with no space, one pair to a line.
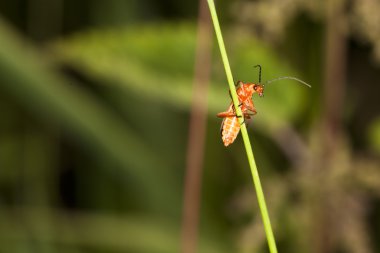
230,126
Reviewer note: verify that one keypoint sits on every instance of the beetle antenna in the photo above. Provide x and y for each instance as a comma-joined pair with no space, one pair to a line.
259,72
287,77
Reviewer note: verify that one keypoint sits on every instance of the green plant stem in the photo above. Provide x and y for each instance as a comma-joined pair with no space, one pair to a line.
247,144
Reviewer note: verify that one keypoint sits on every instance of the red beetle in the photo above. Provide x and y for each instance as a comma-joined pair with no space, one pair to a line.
230,125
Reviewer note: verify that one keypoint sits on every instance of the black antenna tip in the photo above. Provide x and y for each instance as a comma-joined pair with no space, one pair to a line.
258,65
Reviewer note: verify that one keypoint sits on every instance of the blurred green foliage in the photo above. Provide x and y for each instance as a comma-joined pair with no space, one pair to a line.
374,135
130,125
94,132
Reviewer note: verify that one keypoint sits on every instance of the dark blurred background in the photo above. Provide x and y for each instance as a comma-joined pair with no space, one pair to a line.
109,140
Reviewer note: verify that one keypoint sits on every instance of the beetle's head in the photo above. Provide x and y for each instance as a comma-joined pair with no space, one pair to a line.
259,88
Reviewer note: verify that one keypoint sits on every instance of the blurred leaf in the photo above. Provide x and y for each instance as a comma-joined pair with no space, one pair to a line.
374,135
28,77
130,233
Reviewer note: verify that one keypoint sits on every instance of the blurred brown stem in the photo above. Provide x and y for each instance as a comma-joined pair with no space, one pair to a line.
335,75
334,92
197,127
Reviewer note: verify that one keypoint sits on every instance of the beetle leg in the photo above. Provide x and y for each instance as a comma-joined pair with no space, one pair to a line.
238,83
252,111
226,114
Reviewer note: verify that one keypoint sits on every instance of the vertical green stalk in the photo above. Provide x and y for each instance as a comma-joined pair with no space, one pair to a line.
247,144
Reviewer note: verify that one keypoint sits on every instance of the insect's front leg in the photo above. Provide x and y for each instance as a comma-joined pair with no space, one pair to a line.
250,107
238,85
252,111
